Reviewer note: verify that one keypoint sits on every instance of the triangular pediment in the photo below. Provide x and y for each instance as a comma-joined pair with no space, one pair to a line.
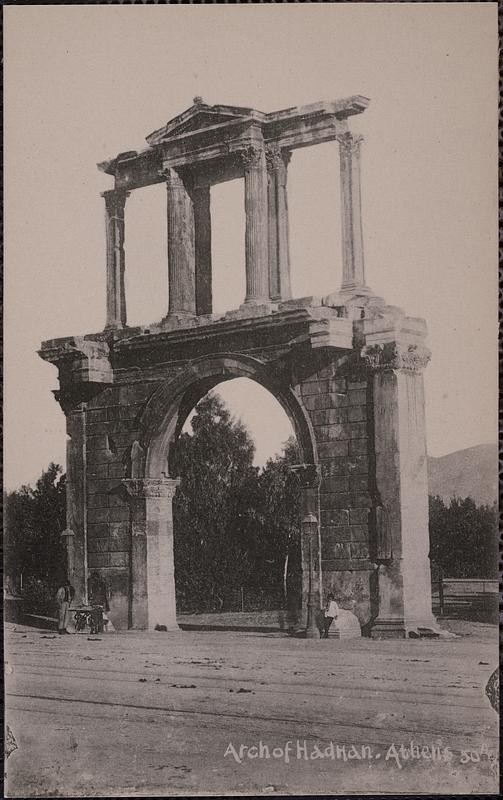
200,117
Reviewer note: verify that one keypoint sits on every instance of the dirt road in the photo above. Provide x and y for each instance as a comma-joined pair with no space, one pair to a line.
213,713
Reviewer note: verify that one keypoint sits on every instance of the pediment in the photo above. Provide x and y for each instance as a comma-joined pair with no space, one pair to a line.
199,117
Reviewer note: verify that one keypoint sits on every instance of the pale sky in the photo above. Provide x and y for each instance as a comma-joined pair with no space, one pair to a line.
84,83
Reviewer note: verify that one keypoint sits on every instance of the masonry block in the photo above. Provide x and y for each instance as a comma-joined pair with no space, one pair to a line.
333,485
314,387
357,413
331,450
98,415
359,550
341,533
331,433
359,484
357,397
97,501
359,533
119,559
358,447
335,517
357,430
358,516
96,560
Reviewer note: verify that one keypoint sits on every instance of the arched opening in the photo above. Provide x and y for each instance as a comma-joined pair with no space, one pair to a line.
236,512
162,425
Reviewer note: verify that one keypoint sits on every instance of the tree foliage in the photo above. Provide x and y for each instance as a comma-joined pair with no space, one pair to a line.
234,526
215,507
280,518
34,520
463,538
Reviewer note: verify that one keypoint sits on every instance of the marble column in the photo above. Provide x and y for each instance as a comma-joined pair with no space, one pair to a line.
202,234
353,270
181,247
115,201
152,571
256,241
404,583
278,232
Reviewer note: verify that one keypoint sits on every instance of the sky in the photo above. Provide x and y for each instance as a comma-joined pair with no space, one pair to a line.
83,83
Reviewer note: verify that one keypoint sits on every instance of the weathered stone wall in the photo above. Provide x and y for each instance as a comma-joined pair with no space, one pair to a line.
358,412
336,398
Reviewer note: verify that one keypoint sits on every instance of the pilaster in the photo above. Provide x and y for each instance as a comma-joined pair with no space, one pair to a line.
152,580
396,371
76,497
309,483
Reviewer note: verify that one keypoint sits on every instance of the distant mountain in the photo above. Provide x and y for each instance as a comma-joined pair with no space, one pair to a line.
466,473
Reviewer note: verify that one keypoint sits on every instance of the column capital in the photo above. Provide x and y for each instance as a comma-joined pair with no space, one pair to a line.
150,487
396,356
172,178
252,156
308,475
276,158
115,198
350,143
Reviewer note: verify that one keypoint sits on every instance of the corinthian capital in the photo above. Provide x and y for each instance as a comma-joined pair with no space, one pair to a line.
308,475
172,179
150,487
115,200
350,143
393,355
251,156
275,157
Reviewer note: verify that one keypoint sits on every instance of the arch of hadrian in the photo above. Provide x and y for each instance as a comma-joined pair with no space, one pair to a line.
347,369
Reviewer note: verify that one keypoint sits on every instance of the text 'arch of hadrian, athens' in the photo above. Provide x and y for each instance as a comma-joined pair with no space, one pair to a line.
347,368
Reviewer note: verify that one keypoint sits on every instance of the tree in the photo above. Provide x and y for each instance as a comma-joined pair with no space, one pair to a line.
281,517
463,538
215,509
34,520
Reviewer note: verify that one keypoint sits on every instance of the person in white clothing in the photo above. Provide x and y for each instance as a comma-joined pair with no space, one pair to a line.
331,613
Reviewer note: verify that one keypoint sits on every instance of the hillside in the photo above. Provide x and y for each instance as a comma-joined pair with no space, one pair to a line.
466,473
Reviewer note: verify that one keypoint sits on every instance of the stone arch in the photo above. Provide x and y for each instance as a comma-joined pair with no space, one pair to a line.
171,403
152,490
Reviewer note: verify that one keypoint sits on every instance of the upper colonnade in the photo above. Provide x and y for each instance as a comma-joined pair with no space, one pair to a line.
206,145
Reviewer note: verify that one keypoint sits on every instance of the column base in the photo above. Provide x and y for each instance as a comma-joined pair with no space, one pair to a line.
178,319
251,309
257,300
355,289
116,326
399,628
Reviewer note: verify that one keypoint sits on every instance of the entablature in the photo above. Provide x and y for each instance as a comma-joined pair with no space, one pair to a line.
204,133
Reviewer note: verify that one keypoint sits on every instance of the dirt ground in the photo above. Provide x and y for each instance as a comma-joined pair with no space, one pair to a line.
249,712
